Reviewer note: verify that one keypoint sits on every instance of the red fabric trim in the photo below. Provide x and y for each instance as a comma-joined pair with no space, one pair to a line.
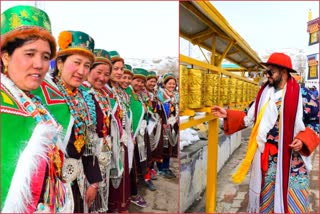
234,121
291,100
36,185
45,86
268,149
310,141
257,100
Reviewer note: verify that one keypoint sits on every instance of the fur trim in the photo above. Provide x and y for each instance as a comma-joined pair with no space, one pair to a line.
139,76
81,51
19,194
115,59
125,71
27,32
100,60
150,77
168,78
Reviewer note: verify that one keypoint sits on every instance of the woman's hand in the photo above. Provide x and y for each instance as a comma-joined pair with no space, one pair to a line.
91,193
219,111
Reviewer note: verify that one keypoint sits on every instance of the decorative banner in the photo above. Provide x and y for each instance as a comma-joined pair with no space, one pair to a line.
313,30
312,67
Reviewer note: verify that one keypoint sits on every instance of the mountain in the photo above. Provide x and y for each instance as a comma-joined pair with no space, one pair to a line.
160,65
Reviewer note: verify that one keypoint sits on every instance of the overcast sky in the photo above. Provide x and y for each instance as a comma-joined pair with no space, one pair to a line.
142,29
270,24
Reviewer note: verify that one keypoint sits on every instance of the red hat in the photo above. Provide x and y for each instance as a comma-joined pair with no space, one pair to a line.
280,59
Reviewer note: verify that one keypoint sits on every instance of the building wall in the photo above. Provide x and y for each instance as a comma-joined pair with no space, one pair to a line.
313,52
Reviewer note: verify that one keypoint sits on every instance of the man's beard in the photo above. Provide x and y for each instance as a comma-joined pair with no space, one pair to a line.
276,82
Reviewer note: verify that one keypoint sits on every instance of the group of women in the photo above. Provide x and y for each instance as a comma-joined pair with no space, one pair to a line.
78,139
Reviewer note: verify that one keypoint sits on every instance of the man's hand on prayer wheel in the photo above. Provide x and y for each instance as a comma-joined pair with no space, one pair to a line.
219,111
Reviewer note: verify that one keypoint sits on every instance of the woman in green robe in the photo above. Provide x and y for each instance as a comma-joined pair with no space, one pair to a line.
31,141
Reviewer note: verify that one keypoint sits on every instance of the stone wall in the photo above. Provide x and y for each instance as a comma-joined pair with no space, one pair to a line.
193,167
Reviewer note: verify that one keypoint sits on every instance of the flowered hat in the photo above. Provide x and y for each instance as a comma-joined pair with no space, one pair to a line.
75,42
128,69
24,22
140,73
168,76
152,74
102,56
115,56
280,59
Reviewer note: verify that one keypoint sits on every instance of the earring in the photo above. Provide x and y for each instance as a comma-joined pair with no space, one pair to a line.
59,73
5,70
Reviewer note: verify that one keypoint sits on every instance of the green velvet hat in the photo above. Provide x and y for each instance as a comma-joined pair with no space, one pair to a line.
115,56
140,73
152,74
75,42
168,76
102,56
24,22
128,69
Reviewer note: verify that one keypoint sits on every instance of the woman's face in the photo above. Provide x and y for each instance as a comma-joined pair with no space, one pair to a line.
125,81
151,83
117,71
74,70
99,75
170,85
28,64
138,85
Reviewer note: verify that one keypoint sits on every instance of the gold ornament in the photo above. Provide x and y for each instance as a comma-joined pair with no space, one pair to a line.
79,143
5,70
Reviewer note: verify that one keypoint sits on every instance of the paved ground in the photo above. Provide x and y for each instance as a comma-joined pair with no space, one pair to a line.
165,199
232,198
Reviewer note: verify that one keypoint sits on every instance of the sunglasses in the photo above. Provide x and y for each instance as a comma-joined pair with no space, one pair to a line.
269,72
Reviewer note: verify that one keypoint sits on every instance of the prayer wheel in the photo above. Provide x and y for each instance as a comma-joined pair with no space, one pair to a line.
233,90
209,89
183,83
239,91
224,90
196,88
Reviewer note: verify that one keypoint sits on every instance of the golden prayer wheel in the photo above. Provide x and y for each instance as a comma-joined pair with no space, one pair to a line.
224,90
239,91
233,90
196,88
215,89
245,92
183,84
209,89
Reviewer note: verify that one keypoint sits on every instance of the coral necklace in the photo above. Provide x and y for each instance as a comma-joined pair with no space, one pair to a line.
82,109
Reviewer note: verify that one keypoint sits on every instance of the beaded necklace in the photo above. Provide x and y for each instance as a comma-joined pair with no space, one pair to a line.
104,103
82,109
123,100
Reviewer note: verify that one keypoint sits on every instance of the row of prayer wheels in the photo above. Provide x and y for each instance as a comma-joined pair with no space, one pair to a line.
200,89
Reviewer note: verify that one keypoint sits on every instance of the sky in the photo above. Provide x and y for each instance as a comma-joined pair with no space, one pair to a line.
266,25
142,29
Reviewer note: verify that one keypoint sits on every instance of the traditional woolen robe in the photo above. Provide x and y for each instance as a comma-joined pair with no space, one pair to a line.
291,127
